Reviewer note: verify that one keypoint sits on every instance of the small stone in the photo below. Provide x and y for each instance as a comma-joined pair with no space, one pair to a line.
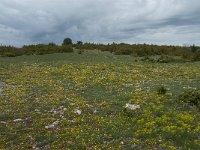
72,121
60,107
17,120
95,111
55,112
53,125
133,146
77,111
131,106
3,122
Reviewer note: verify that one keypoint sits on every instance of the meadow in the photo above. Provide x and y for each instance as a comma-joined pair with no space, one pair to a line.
77,101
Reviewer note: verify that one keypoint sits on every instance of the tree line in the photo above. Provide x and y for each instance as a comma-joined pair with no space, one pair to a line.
144,50
37,49
138,50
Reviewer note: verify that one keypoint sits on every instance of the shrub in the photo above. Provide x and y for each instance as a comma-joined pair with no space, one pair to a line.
123,51
10,51
165,59
64,49
196,56
80,51
191,96
161,90
8,54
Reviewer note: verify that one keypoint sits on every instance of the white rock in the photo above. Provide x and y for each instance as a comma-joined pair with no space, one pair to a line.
53,125
55,112
131,106
60,107
77,111
3,122
95,111
17,120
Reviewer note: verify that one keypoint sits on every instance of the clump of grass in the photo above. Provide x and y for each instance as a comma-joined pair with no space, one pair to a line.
80,51
161,90
191,96
165,59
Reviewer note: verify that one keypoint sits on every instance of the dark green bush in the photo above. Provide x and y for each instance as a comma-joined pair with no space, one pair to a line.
80,51
165,59
8,54
196,56
191,96
161,90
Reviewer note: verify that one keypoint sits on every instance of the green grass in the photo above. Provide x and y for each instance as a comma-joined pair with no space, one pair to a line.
40,90
87,56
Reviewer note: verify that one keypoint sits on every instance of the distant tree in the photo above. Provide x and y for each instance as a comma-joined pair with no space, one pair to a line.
52,44
67,41
79,43
193,48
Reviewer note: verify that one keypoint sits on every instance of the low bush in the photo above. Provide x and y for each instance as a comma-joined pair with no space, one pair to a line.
10,51
165,59
161,90
191,96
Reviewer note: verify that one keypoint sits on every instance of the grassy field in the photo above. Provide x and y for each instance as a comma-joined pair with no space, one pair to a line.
76,101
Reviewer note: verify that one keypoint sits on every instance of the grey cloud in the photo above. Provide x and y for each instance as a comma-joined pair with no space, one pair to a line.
150,21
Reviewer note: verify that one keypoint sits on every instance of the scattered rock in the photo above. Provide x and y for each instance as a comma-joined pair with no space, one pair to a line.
3,84
1,90
131,106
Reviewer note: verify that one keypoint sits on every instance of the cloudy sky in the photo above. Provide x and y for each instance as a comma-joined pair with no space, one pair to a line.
132,21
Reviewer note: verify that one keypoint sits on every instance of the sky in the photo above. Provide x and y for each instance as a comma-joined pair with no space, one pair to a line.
171,22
